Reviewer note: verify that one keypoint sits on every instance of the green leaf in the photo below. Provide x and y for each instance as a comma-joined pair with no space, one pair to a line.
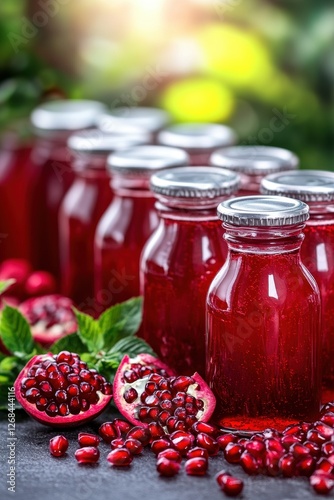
121,320
71,342
130,346
89,332
4,285
15,332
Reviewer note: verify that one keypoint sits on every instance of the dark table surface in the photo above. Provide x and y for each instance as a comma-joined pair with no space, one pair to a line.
39,476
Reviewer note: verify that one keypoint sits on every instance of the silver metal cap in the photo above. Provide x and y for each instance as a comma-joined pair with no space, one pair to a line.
306,185
95,142
150,119
195,182
65,115
197,136
263,211
255,160
146,159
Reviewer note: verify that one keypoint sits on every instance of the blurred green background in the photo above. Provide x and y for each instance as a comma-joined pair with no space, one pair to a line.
264,67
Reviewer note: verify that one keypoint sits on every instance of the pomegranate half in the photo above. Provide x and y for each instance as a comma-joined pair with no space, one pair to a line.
61,391
51,317
146,391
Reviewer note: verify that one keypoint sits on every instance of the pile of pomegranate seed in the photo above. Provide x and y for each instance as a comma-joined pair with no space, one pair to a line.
62,385
306,449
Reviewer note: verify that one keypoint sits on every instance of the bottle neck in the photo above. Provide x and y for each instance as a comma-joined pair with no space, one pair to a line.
321,212
186,213
131,186
264,240
90,167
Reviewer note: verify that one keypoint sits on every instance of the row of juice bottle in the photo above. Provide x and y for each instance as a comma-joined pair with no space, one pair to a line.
156,232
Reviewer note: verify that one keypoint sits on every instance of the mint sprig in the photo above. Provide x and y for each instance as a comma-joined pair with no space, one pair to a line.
101,342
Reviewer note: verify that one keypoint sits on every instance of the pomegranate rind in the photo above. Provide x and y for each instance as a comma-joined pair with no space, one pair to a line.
44,336
199,389
119,386
56,422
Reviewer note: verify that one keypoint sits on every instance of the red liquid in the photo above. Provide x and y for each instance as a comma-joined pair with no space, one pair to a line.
317,254
81,209
178,265
16,177
54,175
120,236
263,342
199,157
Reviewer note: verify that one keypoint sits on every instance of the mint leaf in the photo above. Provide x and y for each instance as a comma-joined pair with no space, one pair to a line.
89,332
121,320
15,332
71,342
130,346
4,285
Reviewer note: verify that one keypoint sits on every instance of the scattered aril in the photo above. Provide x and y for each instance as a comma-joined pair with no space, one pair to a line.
87,455
58,446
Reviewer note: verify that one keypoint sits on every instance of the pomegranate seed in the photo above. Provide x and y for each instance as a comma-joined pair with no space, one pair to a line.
328,418
170,422
249,463
108,431
272,463
225,439
314,448
271,433
322,483
196,466
32,395
289,440
231,486
160,445
209,429
120,457
273,444
117,443
299,451
182,383
58,446
87,455
167,467
171,454
130,395
86,439
328,448
198,452
205,441
182,441
156,430
315,436
306,466
134,446
325,466
121,425
324,430
65,357
287,464
233,452
140,433
256,448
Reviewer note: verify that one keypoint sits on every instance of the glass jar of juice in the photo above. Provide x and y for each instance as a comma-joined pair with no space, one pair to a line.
180,260
263,319
16,178
198,139
128,222
148,119
83,205
53,122
253,163
316,188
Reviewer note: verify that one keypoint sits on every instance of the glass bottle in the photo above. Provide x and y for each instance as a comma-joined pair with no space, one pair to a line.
180,260
198,139
128,222
253,163
263,319
316,188
83,206
145,119
53,122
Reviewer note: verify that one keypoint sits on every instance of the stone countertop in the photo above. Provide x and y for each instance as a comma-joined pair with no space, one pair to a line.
39,476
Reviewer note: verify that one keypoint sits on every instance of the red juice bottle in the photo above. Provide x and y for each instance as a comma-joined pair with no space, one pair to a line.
53,122
145,119
253,163
128,222
180,260
263,319
198,139
16,178
316,188
83,206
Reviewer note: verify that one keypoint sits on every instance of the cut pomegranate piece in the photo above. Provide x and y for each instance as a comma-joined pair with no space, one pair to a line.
49,389
51,317
146,391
